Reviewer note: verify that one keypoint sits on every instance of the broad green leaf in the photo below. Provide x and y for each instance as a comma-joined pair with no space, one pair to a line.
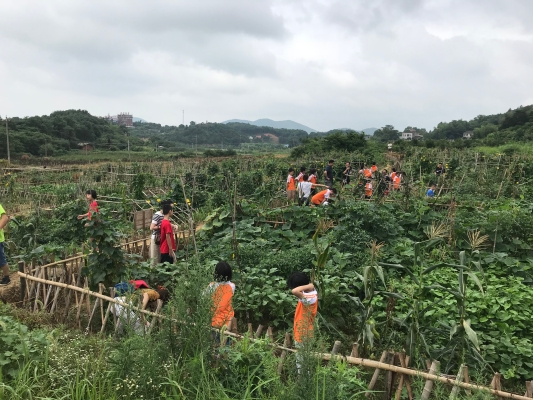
472,336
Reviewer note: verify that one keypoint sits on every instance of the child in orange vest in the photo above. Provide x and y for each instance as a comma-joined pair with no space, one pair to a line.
291,186
222,290
396,182
321,198
368,189
374,168
300,177
306,310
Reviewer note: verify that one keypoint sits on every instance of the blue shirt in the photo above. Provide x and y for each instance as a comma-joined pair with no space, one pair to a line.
430,193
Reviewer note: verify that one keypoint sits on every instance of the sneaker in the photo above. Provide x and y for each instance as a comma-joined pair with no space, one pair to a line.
5,281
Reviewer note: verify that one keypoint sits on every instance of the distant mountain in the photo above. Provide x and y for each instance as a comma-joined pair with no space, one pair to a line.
287,124
369,131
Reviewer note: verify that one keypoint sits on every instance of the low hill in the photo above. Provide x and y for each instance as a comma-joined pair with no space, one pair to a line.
287,124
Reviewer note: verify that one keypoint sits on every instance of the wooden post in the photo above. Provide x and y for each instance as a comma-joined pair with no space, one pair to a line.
376,374
154,318
466,378
107,311
250,330
355,350
270,334
389,377
496,383
56,295
22,282
286,343
428,387
529,389
258,331
459,378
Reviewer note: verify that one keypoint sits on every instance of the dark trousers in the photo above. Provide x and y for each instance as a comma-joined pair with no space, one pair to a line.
166,257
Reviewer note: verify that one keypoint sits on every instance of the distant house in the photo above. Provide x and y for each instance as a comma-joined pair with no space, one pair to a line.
407,136
411,135
468,135
85,146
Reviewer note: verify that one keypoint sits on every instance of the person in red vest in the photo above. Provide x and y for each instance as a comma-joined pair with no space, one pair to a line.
167,247
93,205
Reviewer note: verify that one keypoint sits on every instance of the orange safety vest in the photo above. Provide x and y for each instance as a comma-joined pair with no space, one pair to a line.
300,177
368,189
396,182
290,183
367,173
392,176
374,168
318,198
304,317
312,179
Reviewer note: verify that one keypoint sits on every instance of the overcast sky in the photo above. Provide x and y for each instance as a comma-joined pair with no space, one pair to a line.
324,63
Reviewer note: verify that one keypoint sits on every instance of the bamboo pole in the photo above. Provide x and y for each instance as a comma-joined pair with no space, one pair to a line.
428,387
529,389
459,378
376,373
286,343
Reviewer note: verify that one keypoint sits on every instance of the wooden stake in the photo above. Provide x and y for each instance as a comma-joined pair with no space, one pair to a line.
496,383
376,374
428,387
258,331
459,378
389,378
270,335
155,319
286,343
529,389
355,350
466,378
250,330
336,347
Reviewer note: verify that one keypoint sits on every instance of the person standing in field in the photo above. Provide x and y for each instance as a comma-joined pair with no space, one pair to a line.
374,168
368,189
367,172
4,219
304,190
346,174
321,198
222,290
93,205
397,181
306,309
328,174
312,179
291,186
439,170
167,247
155,239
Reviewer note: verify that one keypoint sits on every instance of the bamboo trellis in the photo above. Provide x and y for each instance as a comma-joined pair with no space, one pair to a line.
395,364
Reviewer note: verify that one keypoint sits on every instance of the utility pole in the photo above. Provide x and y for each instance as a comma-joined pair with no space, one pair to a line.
7,137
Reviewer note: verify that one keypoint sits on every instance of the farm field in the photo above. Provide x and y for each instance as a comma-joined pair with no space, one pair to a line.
446,278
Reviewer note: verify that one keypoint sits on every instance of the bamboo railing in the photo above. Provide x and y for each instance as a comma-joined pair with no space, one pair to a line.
394,364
